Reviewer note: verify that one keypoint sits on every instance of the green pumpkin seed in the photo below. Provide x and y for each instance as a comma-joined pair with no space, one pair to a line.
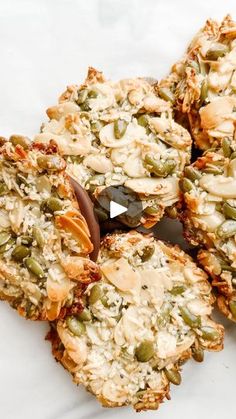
96,294
24,142
85,107
3,189
85,315
192,173
97,126
226,229
5,247
178,290
92,94
38,236
151,210
51,163
53,204
75,326
198,354
209,333
104,300
143,121
141,393
213,169
226,147
120,127
189,318
229,212
148,251
26,240
166,94
173,376
216,51
204,91
185,185
82,96
232,306
4,238
20,252
160,169
33,266
145,351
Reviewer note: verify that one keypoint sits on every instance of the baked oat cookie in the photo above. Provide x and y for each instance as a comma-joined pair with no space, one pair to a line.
44,240
209,188
203,84
121,134
150,312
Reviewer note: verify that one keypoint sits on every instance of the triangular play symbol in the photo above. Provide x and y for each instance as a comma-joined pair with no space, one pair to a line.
116,209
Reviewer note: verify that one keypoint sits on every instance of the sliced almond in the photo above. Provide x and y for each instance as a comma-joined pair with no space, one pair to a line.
152,186
224,187
58,284
121,275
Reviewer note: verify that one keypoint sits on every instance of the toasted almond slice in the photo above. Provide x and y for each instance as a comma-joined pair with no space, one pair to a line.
152,186
58,285
216,112
120,274
52,309
56,112
219,185
77,228
75,346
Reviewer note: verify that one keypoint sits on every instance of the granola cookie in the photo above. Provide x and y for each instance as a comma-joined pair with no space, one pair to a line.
121,134
150,312
209,188
44,239
203,84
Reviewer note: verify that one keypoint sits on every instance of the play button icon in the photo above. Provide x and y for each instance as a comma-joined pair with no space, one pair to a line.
116,209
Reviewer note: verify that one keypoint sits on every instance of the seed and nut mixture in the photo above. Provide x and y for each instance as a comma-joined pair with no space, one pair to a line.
150,312
44,240
209,188
121,134
203,84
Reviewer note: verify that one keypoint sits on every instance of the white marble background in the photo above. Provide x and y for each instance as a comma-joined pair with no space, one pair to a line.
44,45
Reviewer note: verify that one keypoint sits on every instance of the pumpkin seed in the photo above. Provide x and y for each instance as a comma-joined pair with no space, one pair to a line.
232,306
216,51
151,210
226,147
51,163
120,127
75,326
173,376
20,252
213,169
192,173
226,229
85,315
82,96
148,251
85,107
33,266
24,142
145,351
198,354
92,94
229,212
4,238
233,155
38,236
53,204
97,126
160,169
96,294
189,318
209,333
166,94
7,245
143,121
3,189
185,185
178,289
